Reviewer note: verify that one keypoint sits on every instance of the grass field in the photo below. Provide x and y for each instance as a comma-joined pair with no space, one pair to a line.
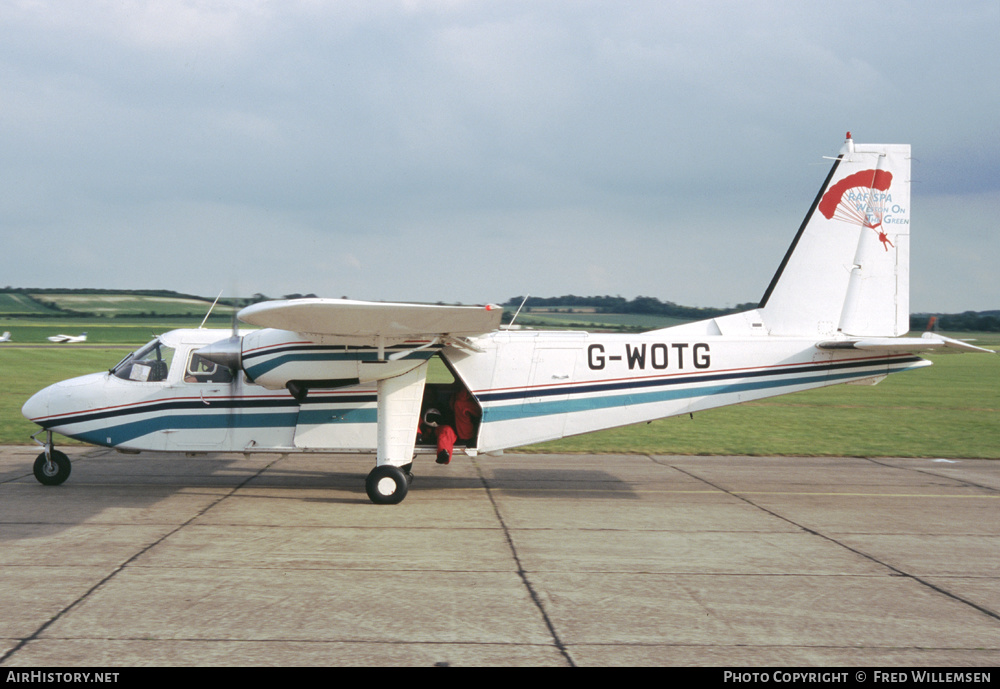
951,409
19,304
131,304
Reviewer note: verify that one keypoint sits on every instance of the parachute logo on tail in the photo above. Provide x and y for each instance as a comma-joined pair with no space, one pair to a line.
860,199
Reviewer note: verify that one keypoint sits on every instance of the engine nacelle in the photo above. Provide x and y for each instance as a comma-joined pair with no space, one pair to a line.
278,359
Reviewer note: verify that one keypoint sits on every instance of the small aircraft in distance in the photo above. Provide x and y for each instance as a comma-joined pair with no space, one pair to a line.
68,339
5,337
335,375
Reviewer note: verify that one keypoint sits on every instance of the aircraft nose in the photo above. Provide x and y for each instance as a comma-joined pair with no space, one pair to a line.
37,405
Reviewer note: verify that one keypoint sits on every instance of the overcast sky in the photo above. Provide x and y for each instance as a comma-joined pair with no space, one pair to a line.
449,150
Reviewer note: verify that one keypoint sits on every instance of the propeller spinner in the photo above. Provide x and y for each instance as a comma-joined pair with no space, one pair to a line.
227,352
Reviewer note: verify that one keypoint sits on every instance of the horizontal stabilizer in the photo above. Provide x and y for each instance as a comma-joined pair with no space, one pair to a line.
896,345
362,320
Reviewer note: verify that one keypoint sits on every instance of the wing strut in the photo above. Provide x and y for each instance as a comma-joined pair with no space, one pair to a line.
399,401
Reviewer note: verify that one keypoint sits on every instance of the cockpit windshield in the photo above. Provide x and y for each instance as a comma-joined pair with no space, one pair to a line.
149,364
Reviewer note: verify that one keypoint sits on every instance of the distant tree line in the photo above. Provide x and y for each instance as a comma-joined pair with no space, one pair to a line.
258,297
639,305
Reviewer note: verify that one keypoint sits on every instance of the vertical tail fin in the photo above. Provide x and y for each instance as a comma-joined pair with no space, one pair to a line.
848,268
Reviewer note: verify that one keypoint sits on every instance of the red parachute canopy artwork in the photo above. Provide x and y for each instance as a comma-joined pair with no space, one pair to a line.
854,199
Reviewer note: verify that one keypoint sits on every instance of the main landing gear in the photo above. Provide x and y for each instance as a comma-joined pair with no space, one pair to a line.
388,484
52,467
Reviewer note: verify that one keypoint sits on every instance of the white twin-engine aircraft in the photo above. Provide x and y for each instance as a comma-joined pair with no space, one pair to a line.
332,375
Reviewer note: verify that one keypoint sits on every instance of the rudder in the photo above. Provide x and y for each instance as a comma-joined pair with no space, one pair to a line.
847,269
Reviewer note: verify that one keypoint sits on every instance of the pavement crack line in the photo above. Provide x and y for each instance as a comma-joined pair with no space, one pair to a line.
895,570
121,566
933,474
536,599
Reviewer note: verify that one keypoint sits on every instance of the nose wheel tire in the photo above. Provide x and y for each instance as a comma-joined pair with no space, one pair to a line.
386,485
53,470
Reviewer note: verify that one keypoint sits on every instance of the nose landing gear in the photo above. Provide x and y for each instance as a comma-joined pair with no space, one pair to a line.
52,467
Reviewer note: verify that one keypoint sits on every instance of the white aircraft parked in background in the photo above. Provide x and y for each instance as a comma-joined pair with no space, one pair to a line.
5,337
68,339
333,375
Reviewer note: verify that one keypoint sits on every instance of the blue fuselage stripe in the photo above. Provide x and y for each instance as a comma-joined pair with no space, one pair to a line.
546,408
124,432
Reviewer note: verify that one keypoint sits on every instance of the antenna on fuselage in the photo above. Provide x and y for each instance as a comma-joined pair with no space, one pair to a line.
210,311
511,324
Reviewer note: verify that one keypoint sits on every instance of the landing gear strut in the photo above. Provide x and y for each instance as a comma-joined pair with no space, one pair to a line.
388,484
52,467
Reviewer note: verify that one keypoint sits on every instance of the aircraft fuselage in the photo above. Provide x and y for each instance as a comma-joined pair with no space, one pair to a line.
531,387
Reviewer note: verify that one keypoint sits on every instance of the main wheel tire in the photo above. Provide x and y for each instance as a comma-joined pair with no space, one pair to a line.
386,485
52,473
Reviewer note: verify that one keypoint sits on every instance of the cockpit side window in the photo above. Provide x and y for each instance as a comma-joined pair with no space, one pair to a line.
201,370
149,364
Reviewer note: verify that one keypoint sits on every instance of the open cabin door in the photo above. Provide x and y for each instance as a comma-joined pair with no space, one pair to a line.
441,392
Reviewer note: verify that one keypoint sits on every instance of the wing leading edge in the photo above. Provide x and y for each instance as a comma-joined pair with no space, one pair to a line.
365,322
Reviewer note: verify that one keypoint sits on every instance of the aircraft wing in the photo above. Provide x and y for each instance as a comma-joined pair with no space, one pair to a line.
897,345
356,322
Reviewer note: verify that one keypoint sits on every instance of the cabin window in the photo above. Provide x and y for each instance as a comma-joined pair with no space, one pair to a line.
149,364
201,370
